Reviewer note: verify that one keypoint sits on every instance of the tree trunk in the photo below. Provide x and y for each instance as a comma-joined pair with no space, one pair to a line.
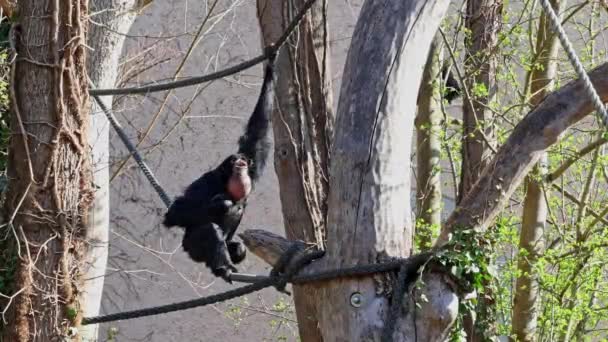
368,212
525,302
303,126
112,18
49,168
368,204
428,151
536,132
369,179
483,19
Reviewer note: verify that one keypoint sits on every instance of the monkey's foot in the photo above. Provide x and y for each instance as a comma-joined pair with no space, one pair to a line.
224,272
237,251
220,265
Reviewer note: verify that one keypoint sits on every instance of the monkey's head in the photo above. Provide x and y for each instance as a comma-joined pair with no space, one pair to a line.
236,168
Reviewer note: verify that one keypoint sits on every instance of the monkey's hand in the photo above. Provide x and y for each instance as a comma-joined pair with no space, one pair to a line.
220,204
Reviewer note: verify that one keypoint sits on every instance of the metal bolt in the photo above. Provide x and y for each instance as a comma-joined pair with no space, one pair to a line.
356,299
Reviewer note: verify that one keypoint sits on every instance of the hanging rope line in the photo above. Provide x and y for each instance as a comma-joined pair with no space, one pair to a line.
268,51
408,266
576,63
133,151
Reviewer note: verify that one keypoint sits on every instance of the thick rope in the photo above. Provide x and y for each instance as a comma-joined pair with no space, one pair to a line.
274,280
410,265
576,63
268,52
133,150
220,297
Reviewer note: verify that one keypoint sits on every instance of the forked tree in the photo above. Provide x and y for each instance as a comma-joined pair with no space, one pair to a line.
364,216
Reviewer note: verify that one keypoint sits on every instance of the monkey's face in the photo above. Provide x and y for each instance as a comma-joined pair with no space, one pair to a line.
240,166
234,163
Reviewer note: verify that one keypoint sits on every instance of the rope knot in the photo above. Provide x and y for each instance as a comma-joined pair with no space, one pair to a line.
289,265
279,271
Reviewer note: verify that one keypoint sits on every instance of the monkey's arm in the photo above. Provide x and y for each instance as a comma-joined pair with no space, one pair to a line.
197,204
254,143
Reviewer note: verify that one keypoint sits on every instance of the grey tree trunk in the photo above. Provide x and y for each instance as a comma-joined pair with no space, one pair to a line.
49,169
368,212
369,176
525,303
112,17
428,151
303,122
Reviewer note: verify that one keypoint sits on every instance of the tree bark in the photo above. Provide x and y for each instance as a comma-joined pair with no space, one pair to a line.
49,168
428,151
303,122
531,244
112,21
369,213
483,19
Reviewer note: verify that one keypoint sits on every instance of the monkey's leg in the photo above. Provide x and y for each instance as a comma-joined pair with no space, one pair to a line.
206,244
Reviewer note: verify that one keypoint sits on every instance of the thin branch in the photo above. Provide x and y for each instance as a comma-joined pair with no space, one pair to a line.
576,201
565,165
583,205
268,51
178,71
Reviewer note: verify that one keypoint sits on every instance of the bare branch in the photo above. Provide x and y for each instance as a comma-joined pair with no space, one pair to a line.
268,51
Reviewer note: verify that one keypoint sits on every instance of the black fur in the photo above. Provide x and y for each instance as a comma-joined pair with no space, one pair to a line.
207,213
452,87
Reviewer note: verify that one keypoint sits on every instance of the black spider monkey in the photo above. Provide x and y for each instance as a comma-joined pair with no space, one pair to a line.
451,89
211,208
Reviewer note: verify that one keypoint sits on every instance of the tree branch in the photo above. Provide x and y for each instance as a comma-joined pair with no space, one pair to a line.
565,165
540,129
268,51
598,216
266,245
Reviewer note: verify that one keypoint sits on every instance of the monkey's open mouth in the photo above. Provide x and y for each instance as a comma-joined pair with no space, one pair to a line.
240,164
